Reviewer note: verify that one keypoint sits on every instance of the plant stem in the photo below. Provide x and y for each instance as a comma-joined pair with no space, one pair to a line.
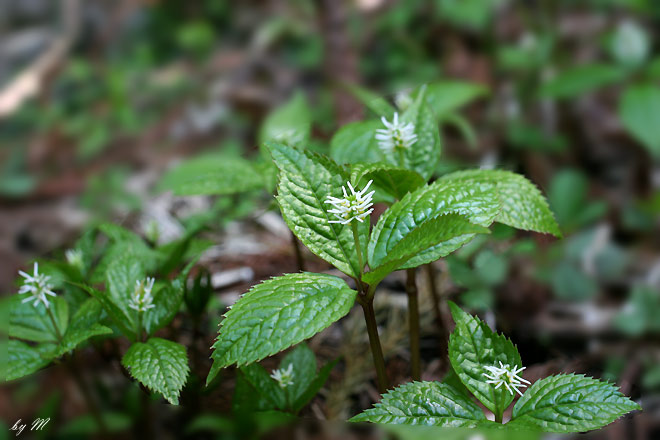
402,157
299,256
366,299
139,327
374,342
52,319
356,238
498,415
413,324
437,310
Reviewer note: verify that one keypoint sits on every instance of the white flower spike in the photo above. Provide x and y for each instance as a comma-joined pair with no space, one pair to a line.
37,286
357,205
141,299
507,376
396,135
284,378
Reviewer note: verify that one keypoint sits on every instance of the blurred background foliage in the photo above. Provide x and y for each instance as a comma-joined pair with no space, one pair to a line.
150,114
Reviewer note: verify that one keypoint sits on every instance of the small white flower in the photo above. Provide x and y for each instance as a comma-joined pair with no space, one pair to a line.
74,257
396,135
37,286
141,299
357,205
507,376
284,378
403,100
630,43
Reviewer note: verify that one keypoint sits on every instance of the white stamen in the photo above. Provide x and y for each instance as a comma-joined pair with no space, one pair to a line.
141,299
356,206
507,376
284,378
395,135
37,285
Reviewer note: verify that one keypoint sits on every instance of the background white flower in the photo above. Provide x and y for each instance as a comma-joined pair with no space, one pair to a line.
506,375
396,135
141,299
356,205
74,257
283,377
37,286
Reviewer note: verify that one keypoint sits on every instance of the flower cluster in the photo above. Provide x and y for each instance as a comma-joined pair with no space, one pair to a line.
357,205
37,286
283,377
506,375
141,299
396,136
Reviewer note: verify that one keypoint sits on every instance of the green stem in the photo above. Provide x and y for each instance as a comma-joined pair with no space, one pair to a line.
52,319
413,323
402,157
138,332
356,238
498,415
374,342
366,299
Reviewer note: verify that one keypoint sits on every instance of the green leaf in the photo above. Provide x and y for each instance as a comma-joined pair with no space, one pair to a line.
314,386
570,282
306,181
570,403
424,403
248,399
303,363
374,102
265,385
470,14
120,317
430,234
478,203
33,323
522,204
124,245
568,198
640,312
24,359
84,325
392,180
167,301
289,124
582,79
491,268
212,174
356,142
524,136
473,346
277,314
120,281
639,111
424,155
445,97
160,365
